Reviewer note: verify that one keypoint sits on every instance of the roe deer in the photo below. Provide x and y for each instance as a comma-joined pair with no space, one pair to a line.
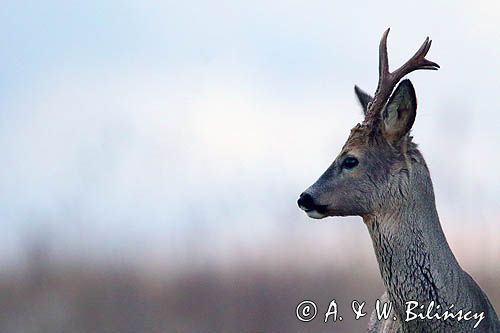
381,176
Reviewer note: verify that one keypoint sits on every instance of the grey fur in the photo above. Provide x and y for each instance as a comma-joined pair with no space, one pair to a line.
391,189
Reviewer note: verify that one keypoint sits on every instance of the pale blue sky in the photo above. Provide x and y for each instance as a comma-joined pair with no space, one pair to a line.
130,125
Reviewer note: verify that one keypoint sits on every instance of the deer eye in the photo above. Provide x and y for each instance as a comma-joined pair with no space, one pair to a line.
349,163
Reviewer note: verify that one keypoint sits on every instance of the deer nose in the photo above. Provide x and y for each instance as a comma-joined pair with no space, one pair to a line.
306,202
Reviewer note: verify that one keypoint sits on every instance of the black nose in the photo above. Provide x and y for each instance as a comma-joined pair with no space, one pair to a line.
306,201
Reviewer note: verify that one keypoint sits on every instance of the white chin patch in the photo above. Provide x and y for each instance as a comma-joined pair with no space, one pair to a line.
315,215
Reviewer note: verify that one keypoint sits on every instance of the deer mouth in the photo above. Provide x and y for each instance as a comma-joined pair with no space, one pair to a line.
307,203
313,213
318,212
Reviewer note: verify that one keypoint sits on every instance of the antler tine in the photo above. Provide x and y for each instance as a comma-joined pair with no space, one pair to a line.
383,60
416,62
388,80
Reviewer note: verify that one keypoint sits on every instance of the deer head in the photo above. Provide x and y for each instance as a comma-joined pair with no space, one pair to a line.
369,173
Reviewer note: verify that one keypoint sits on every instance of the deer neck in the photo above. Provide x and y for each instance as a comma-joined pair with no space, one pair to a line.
414,258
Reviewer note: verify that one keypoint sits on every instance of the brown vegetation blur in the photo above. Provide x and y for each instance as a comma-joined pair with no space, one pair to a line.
50,296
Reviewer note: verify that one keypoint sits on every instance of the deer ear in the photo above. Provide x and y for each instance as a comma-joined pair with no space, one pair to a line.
363,97
399,114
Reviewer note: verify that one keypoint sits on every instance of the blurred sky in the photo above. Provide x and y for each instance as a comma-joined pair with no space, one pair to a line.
142,128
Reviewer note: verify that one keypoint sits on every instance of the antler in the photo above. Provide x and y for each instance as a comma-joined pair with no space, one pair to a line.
387,80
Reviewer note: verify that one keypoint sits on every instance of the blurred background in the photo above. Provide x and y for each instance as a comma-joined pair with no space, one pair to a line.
152,154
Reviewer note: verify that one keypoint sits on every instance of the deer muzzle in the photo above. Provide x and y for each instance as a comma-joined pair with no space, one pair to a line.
307,203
